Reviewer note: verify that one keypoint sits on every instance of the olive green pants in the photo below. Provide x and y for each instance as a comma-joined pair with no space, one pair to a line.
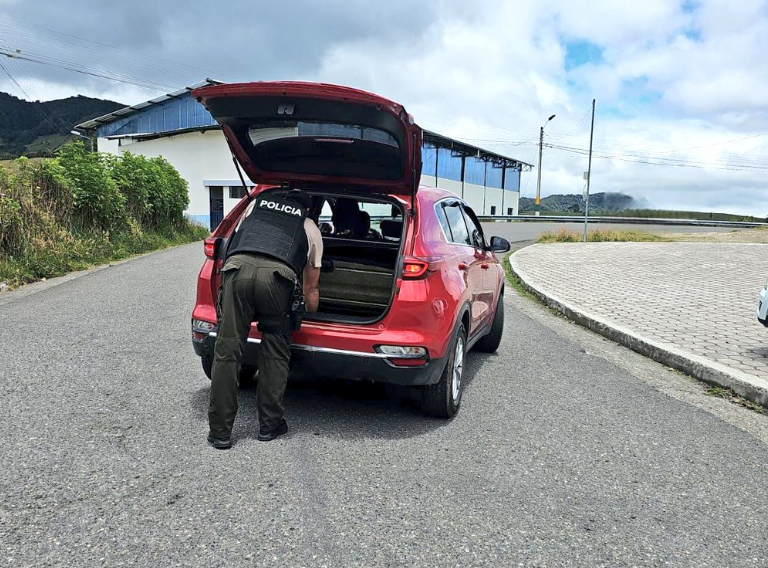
251,287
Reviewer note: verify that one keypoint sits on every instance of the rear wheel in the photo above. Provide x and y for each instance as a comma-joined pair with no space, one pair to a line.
443,398
490,343
207,365
247,376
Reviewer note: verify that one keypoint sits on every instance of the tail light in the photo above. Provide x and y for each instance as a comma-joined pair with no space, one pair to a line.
211,247
416,268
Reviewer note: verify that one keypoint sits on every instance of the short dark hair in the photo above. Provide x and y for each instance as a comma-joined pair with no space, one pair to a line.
300,197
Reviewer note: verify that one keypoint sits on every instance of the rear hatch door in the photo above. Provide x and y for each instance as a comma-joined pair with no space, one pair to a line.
304,134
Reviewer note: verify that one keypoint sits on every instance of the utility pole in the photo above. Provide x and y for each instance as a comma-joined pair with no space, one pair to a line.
538,182
589,171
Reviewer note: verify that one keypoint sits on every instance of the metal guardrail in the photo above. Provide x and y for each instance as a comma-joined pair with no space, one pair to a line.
623,220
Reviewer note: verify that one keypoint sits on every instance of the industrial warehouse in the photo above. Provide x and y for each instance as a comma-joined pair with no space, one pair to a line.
178,128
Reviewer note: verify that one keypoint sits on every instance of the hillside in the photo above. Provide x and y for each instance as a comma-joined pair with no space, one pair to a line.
38,128
605,202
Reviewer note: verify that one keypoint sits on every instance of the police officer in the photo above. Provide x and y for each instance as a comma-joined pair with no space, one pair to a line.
274,255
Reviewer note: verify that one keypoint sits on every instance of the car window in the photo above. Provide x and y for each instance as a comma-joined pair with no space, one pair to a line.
440,211
456,222
475,231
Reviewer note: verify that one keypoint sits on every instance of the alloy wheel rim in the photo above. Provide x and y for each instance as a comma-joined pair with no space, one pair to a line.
458,369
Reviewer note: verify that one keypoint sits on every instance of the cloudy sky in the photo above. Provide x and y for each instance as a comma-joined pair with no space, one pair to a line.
681,87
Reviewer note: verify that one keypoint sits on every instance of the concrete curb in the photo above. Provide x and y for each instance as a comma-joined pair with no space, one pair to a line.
712,372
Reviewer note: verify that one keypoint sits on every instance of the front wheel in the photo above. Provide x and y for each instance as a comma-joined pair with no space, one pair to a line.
444,397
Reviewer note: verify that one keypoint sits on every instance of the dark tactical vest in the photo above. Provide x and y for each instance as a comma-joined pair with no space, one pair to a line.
275,228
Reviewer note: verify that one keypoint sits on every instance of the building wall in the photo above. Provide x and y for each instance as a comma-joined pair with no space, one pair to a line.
108,146
455,186
430,181
204,160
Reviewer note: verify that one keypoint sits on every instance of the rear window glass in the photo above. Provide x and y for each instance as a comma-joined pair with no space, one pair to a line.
359,219
444,222
263,133
457,224
330,149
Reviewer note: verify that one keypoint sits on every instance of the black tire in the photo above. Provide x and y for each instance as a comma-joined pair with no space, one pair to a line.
207,365
490,342
247,376
444,397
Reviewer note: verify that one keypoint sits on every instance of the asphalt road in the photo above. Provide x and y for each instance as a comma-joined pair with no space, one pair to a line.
568,450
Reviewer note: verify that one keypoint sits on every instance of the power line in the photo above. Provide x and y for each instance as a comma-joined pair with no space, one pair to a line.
656,161
82,53
112,77
37,107
32,85
81,42
575,127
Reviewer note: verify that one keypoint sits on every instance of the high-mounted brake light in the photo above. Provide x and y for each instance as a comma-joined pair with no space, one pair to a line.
210,245
414,268
335,140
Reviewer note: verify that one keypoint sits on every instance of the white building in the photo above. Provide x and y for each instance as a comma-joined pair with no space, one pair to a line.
178,128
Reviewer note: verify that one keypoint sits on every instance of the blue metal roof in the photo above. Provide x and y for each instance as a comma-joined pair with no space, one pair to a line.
168,113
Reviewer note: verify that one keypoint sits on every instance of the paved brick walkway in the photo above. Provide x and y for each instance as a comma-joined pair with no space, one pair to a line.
692,299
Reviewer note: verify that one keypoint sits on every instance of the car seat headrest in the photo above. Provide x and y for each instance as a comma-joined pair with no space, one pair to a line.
392,228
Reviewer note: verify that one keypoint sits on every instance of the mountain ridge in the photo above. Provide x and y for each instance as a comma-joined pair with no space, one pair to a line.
605,202
35,128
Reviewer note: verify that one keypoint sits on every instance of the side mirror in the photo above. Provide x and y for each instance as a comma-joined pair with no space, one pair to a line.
499,244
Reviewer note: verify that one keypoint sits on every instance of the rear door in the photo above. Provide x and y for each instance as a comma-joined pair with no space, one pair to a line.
470,261
310,133
487,262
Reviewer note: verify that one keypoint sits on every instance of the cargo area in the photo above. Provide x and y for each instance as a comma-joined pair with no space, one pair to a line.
361,250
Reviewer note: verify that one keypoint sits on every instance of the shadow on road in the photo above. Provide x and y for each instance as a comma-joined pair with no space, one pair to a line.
343,409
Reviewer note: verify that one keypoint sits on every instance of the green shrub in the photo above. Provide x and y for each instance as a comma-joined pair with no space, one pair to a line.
83,208
134,178
156,195
98,204
11,226
170,195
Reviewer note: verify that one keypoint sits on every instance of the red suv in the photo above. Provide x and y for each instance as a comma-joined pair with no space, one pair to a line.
409,283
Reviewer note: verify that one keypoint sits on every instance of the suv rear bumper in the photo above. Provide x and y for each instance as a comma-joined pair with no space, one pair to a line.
327,363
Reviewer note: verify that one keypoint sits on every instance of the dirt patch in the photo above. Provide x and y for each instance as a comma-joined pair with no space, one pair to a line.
757,235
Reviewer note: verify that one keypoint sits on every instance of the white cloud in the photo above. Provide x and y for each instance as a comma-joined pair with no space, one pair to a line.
672,84
660,90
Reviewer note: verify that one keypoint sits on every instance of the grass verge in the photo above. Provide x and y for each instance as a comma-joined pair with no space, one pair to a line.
71,252
601,236
732,397
514,281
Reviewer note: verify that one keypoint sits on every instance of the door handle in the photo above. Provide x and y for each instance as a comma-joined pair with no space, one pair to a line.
484,266
463,266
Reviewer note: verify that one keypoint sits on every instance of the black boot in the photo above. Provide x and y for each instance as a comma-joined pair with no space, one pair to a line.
269,435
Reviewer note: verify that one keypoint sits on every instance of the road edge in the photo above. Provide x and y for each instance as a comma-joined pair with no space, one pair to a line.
8,296
747,386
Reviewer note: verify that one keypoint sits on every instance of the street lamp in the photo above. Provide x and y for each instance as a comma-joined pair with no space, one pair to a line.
538,182
76,133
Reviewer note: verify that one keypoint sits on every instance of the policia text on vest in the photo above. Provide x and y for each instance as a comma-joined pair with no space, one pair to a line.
265,277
